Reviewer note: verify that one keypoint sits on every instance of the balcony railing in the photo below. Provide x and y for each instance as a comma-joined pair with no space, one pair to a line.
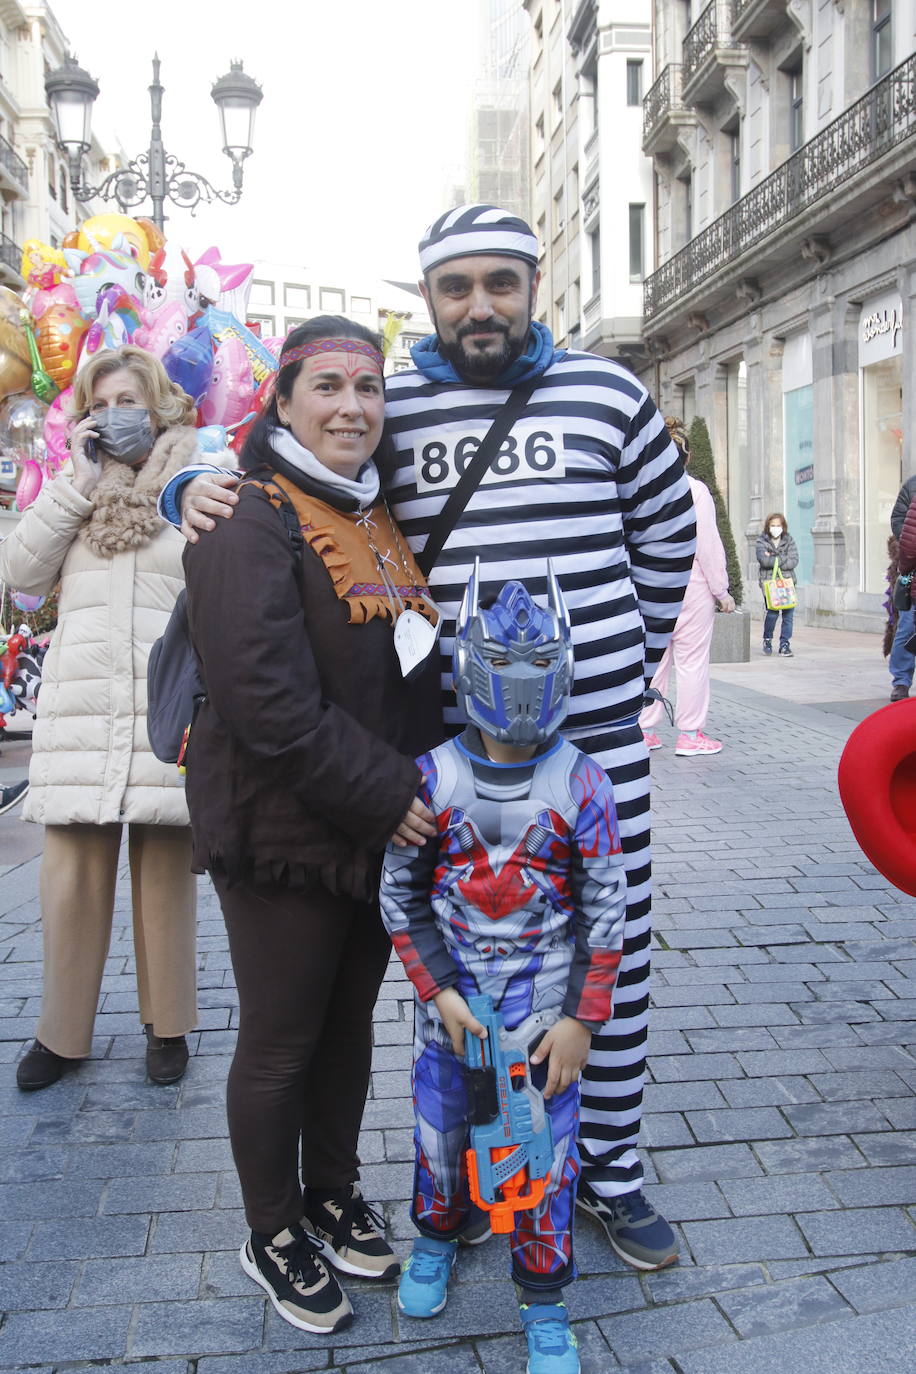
10,253
661,98
884,117
712,30
14,164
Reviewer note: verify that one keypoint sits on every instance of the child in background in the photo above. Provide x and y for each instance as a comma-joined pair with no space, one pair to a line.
776,545
520,898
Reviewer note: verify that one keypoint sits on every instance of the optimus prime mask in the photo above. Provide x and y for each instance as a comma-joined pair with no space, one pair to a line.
513,662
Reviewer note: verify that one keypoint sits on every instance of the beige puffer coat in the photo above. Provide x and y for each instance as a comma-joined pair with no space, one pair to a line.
91,759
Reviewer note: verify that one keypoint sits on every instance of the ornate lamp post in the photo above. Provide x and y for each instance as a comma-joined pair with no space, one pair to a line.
155,174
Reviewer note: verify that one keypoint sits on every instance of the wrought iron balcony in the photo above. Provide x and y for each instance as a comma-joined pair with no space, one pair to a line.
757,18
10,258
664,111
710,36
14,167
883,118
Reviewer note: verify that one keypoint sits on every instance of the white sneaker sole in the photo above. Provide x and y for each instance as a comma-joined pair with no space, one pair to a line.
649,1266
348,1267
253,1272
697,753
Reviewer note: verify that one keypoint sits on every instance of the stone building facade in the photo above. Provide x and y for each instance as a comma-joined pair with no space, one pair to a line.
783,135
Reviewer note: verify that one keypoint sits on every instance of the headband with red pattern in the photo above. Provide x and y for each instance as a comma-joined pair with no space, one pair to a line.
308,350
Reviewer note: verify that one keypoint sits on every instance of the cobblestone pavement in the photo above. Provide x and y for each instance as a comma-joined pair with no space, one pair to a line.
779,1130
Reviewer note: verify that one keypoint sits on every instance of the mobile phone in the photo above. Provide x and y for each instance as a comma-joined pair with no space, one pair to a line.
89,450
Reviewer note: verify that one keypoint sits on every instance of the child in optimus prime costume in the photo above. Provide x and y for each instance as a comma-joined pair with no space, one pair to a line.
522,899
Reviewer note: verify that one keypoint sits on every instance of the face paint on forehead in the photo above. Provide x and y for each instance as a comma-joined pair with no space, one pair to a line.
349,363
362,353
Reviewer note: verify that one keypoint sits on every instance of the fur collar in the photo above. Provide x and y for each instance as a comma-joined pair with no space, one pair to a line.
124,500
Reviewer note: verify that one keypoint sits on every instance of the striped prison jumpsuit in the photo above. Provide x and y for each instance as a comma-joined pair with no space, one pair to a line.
587,478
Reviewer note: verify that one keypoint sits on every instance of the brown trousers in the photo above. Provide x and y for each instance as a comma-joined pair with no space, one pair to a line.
79,869
307,966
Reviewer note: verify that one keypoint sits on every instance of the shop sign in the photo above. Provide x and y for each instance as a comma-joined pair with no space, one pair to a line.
880,328
803,475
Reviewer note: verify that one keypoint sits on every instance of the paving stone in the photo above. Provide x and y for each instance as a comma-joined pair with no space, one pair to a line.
275,1362
675,1097
89,1237
679,1282
28,1338
688,1201
201,1327
773,1014
873,1187
665,1128
809,1154
151,1278
28,1287
875,1287
666,1331
451,1360
835,1087
503,1355
778,1193
744,1240
890,1147
857,1231
735,1038
677,1068
856,1345
782,1306
835,1118
191,1232
767,1092
709,1162
733,1123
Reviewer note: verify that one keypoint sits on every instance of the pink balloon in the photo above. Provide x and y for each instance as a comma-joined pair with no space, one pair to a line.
30,482
57,423
160,328
62,294
231,388
274,343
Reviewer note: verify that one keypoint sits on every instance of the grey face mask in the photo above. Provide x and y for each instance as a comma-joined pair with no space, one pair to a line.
125,433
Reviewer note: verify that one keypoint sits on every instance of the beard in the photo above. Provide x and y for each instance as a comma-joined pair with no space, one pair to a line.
483,365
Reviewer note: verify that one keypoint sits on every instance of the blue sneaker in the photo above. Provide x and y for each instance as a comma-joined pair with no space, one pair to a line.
423,1290
552,1347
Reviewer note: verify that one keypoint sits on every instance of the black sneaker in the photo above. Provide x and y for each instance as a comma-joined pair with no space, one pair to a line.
477,1228
11,796
166,1057
899,691
347,1232
39,1067
785,651
636,1231
289,1269
768,646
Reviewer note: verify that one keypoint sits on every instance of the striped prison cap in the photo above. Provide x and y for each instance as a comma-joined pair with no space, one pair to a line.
477,229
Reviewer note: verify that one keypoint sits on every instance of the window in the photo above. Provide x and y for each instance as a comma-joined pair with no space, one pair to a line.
299,297
637,232
558,100
262,293
594,240
559,213
539,138
361,304
687,208
634,82
542,236
266,322
734,156
292,321
796,110
52,178
882,37
331,298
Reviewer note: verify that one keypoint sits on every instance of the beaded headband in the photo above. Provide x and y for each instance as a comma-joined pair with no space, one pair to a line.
308,350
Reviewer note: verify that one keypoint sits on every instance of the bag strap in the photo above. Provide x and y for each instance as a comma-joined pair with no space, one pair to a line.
775,569
473,475
280,502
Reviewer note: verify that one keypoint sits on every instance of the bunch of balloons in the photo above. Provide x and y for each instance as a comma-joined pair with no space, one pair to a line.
117,280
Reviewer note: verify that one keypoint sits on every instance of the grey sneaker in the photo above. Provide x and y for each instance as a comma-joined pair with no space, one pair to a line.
289,1269
636,1231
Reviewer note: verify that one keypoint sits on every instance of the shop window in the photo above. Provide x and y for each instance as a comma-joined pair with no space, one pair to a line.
882,433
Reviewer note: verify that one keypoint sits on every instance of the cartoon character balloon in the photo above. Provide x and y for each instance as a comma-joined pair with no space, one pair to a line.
15,363
60,334
160,329
101,232
189,363
228,398
57,423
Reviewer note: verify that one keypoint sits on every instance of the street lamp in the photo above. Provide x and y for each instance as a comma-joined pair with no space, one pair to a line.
156,174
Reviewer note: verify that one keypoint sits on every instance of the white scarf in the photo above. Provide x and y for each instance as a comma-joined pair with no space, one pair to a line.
364,488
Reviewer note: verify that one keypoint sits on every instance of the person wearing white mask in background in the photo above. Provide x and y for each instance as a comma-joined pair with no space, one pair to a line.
776,545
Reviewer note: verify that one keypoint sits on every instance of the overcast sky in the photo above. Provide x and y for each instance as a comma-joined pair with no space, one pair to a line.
361,133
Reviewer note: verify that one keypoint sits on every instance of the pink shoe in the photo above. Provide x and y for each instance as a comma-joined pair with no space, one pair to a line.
652,741
686,746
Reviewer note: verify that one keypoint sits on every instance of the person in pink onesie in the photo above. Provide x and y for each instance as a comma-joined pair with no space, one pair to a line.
689,645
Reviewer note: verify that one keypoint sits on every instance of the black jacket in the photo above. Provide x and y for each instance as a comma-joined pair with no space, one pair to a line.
301,760
904,500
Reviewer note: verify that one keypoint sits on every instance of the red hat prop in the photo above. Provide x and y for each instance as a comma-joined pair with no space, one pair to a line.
877,781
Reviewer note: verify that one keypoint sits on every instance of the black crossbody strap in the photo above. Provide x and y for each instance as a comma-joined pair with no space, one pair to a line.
473,475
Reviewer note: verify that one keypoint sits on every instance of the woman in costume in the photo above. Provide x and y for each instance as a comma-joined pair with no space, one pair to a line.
119,567
300,769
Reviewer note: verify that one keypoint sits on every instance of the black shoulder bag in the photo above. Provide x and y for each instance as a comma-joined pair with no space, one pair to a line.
473,474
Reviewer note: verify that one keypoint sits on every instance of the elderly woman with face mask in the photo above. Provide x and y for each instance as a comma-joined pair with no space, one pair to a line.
96,532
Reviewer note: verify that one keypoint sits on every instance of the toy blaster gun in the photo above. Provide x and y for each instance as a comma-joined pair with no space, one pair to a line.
511,1141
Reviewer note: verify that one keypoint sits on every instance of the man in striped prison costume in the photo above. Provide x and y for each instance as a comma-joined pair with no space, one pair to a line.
589,478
